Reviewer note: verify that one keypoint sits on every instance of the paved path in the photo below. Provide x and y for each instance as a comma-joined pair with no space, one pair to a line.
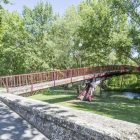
13,127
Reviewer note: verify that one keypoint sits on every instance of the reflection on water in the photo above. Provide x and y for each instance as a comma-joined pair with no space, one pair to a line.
129,95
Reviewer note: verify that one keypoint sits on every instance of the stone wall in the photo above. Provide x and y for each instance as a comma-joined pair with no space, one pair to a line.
61,123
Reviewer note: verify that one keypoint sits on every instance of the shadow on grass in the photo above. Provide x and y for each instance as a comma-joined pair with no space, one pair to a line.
121,111
116,107
59,100
60,92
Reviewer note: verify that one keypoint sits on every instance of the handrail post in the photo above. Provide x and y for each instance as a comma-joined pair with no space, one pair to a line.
7,84
31,83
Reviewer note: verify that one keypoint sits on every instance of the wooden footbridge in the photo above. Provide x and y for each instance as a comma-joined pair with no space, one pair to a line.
27,83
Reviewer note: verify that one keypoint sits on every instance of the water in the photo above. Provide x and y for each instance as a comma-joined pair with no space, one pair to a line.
129,95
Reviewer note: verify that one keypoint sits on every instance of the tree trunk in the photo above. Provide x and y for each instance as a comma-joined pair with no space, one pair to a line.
106,84
78,89
101,85
122,83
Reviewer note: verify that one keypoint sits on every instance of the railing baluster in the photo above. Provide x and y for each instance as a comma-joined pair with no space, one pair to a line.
19,81
31,82
71,75
23,80
7,84
41,77
11,82
14,81
54,78
26,80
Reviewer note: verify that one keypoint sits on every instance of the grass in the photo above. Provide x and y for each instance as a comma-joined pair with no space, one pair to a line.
116,107
2,88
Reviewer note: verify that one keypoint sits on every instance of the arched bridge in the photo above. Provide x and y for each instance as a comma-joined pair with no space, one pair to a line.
26,83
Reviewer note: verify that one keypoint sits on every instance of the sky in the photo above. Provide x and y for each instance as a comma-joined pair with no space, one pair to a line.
59,6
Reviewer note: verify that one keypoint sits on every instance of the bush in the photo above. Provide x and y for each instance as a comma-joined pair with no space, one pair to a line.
136,98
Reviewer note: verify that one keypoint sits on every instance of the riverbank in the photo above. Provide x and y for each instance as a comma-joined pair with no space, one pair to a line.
117,107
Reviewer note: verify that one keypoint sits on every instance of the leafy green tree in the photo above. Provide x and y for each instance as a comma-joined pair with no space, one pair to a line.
126,38
6,1
1,28
14,39
66,39
1,17
38,22
95,30
110,25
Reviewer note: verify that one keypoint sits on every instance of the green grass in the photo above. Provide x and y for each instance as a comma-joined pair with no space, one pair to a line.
2,88
116,107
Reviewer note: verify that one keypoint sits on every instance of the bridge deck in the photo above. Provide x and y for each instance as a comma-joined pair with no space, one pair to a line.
45,85
39,86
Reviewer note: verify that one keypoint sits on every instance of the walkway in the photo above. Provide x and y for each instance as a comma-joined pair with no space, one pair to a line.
13,127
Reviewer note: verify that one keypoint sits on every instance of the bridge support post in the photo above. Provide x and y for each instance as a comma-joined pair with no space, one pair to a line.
90,93
84,92
90,88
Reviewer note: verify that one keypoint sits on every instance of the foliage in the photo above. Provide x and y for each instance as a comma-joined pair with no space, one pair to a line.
95,30
5,1
136,98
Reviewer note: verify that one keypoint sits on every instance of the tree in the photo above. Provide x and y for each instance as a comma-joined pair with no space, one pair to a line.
128,39
66,40
14,39
38,22
108,26
95,30
6,1
1,17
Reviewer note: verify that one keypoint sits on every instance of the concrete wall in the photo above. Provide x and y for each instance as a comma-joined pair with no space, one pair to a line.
61,123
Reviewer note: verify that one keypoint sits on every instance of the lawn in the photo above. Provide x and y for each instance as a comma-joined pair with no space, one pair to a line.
2,88
116,107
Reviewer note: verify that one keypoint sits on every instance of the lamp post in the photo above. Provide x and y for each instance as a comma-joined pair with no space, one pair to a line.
78,87
80,45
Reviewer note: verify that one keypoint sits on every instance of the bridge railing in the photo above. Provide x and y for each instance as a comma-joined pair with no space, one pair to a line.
14,81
